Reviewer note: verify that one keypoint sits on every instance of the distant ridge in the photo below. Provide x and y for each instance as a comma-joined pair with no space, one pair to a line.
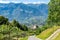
28,14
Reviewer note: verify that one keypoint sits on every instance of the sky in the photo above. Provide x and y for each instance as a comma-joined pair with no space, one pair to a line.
25,1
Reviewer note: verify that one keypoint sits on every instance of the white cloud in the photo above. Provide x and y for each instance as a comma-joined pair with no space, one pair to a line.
4,1
38,2
18,1
33,2
8,1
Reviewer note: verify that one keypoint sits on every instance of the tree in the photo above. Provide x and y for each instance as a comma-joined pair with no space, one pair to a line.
3,20
54,12
17,24
25,28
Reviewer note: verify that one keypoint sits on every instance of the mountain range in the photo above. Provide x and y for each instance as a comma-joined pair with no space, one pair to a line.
28,14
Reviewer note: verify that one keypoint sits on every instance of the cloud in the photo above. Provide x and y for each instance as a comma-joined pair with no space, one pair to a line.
33,2
8,1
23,1
4,1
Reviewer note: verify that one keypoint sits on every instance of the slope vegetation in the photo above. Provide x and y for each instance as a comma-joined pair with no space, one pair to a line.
58,37
45,34
54,35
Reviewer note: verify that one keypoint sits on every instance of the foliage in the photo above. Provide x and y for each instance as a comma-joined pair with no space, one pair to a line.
25,38
10,30
53,21
54,12
17,24
3,20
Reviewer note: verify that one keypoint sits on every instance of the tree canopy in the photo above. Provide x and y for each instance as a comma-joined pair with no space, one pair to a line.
3,20
18,25
54,12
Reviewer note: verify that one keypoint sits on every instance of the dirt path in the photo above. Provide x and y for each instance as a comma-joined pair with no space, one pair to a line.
54,35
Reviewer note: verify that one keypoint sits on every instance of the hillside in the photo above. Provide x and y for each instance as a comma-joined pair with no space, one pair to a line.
28,14
54,35
48,32
58,37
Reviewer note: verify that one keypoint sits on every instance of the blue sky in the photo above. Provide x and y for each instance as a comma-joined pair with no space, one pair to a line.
25,1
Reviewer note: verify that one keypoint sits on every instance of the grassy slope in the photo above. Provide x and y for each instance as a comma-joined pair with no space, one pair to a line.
45,34
58,37
26,38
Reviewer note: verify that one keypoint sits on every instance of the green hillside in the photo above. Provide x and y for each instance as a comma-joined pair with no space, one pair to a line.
58,37
45,34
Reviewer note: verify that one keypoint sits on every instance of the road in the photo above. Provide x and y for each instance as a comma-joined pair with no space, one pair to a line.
33,38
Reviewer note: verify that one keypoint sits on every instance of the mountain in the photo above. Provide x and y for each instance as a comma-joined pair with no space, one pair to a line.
29,14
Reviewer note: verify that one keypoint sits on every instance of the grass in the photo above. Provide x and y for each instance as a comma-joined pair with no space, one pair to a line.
25,38
58,37
45,34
